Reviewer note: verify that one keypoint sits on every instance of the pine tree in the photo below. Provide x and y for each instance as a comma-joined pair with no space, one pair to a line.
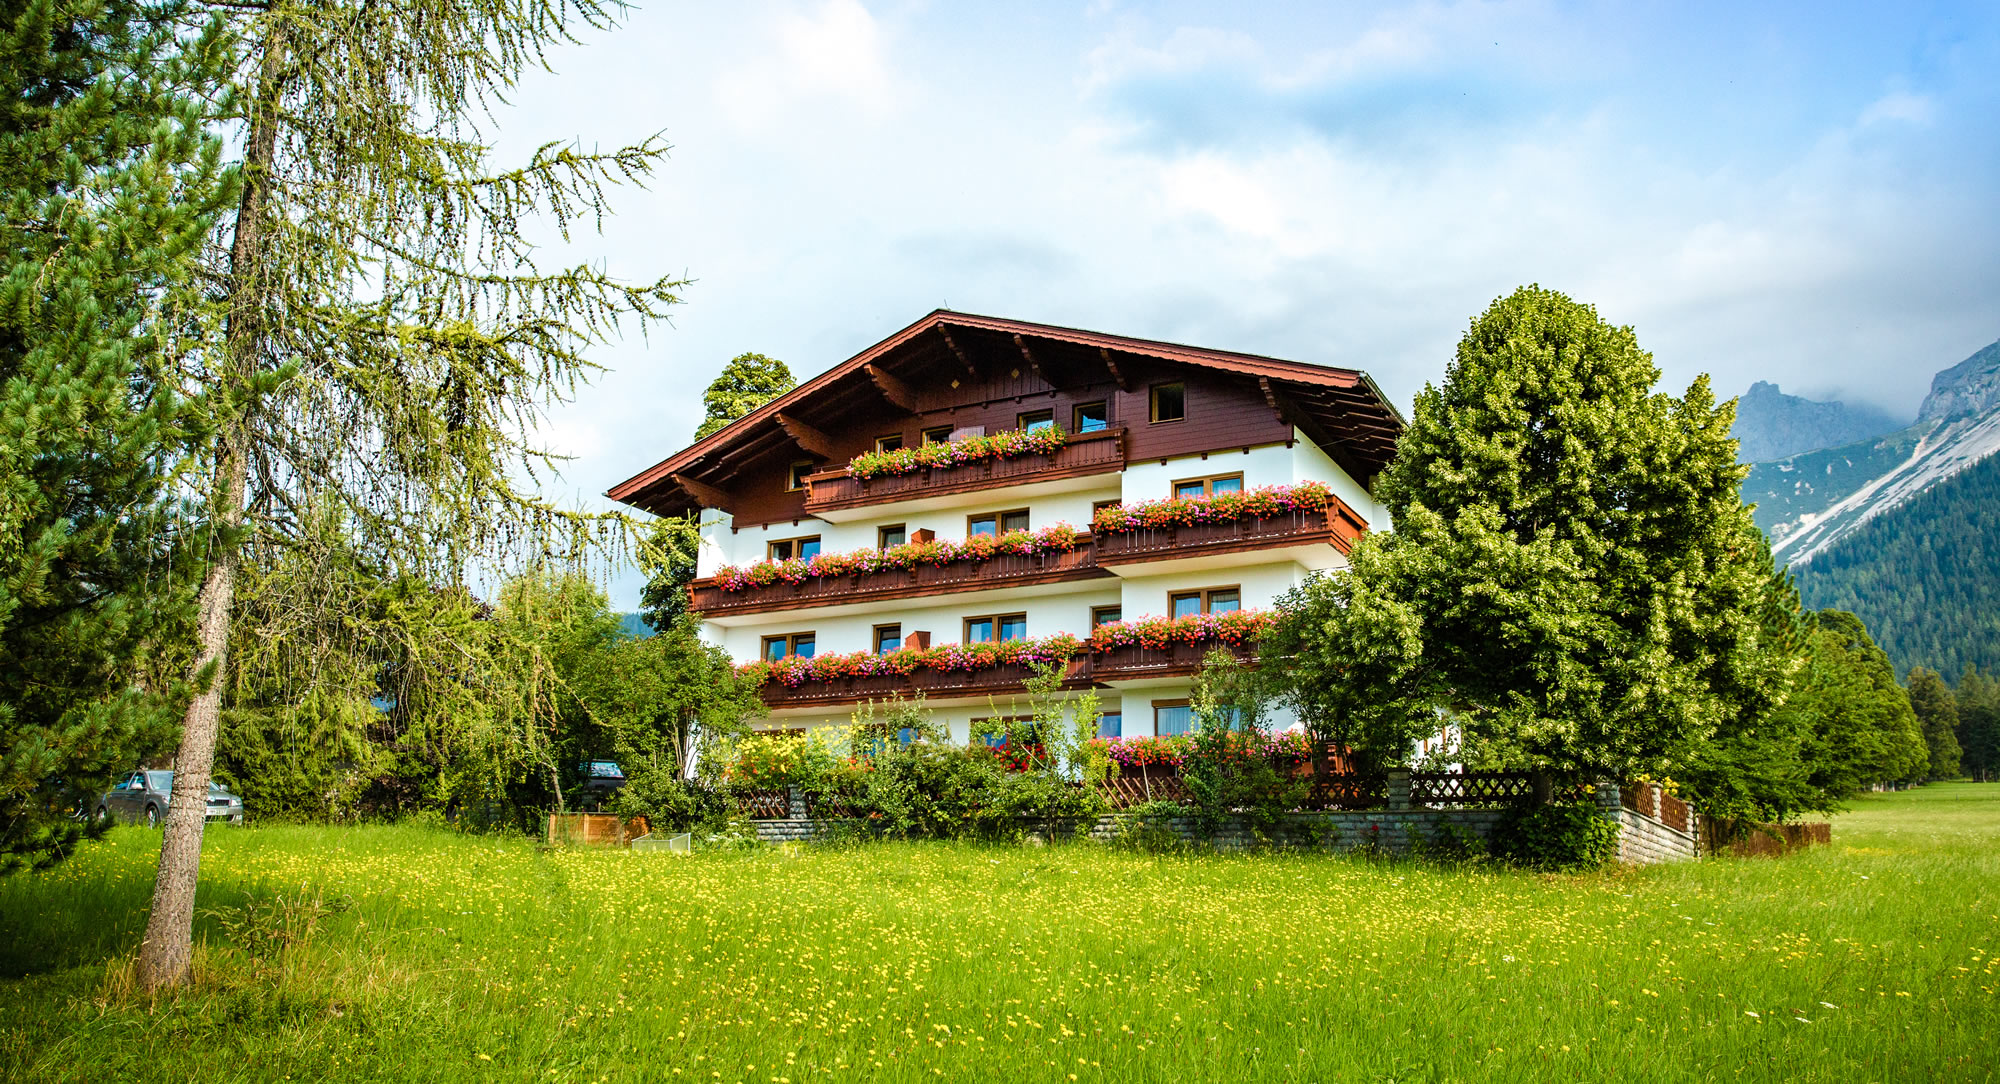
388,341
111,185
1937,715
1573,573
746,383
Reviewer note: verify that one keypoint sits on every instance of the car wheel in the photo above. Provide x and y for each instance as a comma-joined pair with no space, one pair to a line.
152,816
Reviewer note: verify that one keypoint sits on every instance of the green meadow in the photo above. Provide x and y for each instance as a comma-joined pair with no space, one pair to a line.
413,953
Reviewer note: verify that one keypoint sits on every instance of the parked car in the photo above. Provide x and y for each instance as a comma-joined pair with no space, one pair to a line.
143,797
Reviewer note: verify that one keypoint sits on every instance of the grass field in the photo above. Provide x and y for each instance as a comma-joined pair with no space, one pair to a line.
1873,959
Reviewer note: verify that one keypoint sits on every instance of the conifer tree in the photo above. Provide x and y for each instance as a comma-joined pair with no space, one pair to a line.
111,185
1937,715
1573,573
746,383
389,341
1978,698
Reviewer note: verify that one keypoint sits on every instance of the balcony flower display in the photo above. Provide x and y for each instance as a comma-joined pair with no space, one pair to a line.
1147,752
1260,503
945,658
1060,538
1236,628
957,453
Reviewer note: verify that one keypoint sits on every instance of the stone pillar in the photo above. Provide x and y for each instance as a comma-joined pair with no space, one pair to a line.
1399,788
1607,797
795,803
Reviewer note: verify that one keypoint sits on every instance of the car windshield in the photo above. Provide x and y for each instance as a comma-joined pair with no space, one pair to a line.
215,787
160,780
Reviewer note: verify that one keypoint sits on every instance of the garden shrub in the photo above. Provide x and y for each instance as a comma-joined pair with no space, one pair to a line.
1562,836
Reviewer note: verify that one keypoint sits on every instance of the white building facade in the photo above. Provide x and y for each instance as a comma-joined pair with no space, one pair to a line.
1141,422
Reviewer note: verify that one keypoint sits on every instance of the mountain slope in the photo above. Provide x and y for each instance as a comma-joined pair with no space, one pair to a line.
1923,575
1811,501
1772,425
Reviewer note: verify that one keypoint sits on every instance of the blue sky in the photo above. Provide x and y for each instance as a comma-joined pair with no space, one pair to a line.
1808,194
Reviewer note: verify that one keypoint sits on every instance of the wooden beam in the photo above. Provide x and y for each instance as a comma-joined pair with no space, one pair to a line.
960,354
1123,384
812,440
1022,344
1271,398
899,394
707,495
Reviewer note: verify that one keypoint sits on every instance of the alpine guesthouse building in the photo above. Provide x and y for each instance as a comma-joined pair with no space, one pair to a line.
971,495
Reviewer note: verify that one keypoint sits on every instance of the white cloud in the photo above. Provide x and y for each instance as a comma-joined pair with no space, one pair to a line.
829,53
1899,107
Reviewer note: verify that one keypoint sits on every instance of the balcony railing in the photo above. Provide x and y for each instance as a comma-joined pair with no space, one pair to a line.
1337,526
1003,570
1174,660
934,684
1121,664
1086,453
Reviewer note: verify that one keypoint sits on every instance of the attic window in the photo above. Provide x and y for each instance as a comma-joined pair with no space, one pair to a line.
795,479
1169,402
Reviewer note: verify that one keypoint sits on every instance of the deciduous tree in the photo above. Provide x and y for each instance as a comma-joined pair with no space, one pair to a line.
746,383
1937,716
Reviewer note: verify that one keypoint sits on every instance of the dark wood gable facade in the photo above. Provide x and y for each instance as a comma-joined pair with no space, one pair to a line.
953,373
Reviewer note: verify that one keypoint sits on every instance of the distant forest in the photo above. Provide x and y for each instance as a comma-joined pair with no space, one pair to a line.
1925,577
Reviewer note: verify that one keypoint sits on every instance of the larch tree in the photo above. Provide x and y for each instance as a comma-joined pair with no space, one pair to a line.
388,342
746,383
111,186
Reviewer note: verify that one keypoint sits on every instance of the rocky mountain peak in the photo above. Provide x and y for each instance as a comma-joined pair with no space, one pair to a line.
1971,387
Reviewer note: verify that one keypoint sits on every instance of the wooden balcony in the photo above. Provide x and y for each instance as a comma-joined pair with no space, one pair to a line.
933,684
1084,454
1135,662
1336,526
1005,570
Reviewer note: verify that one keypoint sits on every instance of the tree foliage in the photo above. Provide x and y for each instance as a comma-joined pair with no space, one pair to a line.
669,554
1937,718
111,183
1572,575
746,383
388,340
1857,725
1978,699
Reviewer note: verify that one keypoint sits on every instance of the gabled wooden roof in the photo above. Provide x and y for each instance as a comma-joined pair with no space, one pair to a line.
1341,409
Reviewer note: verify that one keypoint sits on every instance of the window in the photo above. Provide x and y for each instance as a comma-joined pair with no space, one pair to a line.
988,629
1208,600
1169,402
1172,717
888,638
796,477
1209,487
889,443
1103,615
996,522
993,731
794,643
1099,506
1036,419
784,549
1109,724
1089,417
939,434
891,536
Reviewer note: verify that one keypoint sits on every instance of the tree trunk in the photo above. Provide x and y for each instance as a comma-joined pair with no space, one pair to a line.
163,956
